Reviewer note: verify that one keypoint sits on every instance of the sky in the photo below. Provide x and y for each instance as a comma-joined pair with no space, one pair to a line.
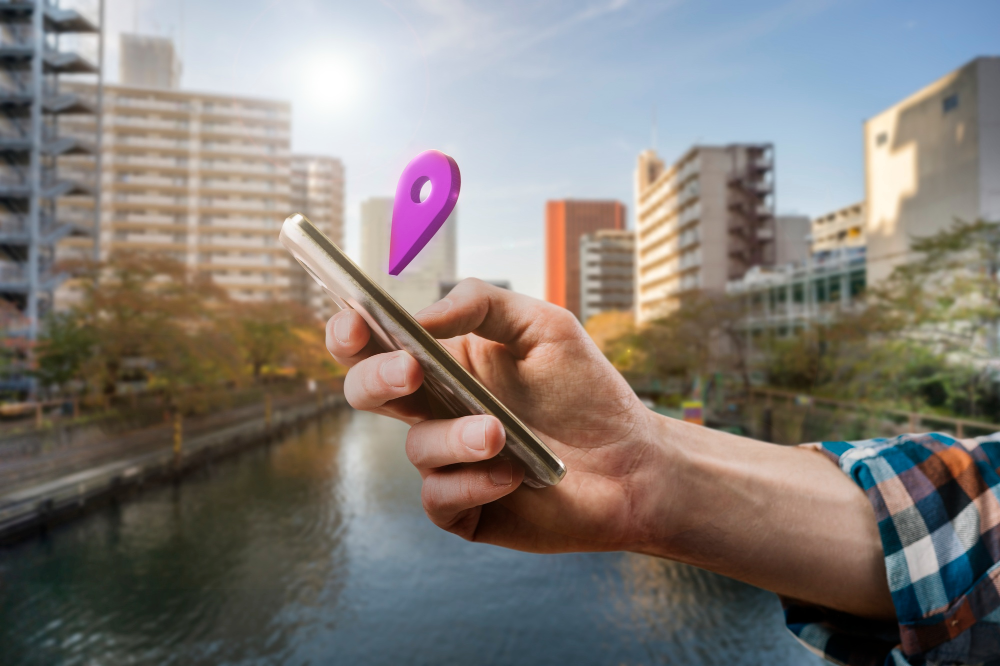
549,100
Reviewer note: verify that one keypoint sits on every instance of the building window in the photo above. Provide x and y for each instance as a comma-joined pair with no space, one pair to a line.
881,139
950,103
857,283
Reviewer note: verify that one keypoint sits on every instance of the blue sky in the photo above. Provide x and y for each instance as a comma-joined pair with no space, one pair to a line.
547,100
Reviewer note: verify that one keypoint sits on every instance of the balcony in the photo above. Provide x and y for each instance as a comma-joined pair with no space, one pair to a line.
67,62
68,20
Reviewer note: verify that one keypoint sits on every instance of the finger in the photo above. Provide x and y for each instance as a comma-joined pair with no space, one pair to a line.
440,442
516,320
374,381
451,493
348,338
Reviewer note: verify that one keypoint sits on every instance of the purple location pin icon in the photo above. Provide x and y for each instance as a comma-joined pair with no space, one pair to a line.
414,222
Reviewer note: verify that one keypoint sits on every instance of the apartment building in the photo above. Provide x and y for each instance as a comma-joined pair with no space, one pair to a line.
701,222
785,300
931,158
607,272
840,231
566,221
419,284
201,177
317,191
149,62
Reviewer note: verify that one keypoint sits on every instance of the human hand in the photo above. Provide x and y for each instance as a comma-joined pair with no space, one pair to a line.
536,359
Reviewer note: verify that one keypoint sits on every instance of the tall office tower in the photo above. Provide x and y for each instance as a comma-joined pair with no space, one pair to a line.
317,191
839,232
607,272
149,62
931,158
565,222
201,177
419,284
701,222
34,105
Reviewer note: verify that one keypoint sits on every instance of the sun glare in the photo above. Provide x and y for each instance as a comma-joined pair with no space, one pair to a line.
331,82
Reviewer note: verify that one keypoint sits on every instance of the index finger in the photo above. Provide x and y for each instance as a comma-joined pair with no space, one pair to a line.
349,339
515,320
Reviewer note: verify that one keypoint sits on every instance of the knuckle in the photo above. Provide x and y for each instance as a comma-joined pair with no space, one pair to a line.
413,450
430,496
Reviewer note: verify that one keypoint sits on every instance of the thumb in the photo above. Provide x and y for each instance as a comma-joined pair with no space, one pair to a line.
515,320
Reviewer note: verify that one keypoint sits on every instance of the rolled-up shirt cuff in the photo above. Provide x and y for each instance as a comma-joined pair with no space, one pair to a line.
937,503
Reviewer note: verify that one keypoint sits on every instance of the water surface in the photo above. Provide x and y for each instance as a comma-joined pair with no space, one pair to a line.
315,550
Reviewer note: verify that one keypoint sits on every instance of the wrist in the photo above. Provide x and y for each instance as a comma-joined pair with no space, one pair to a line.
663,502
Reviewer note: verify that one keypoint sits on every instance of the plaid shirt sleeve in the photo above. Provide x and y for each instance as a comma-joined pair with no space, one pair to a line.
936,502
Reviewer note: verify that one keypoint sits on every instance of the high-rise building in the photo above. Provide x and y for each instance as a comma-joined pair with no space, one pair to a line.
202,177
565,222
607,272
37,171
149,62
701,222
317,191
842,230
931,158
419,284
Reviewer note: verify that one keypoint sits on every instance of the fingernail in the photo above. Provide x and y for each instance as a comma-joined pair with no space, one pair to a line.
436,308
342,330
394,372
501,473
474,435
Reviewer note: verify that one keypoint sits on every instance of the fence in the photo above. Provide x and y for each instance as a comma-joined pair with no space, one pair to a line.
790,418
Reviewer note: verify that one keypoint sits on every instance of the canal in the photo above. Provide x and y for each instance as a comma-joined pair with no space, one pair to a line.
314,550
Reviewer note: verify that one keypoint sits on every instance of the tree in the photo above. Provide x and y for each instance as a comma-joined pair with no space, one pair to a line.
63,349
144,315
268,332
702,336
950,297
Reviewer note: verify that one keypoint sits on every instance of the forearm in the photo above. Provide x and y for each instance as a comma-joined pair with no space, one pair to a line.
782,518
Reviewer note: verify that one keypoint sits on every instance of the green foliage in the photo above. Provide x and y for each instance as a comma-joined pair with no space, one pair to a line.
63,349
147,318
925,339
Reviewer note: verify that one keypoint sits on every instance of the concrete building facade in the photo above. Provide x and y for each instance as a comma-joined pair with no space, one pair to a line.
931,158
317,191
149,62
566,221
842,230
791,239
419,285
607,272
704,220
785,300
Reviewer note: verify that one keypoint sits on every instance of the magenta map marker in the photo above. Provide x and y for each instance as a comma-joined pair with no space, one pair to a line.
415,222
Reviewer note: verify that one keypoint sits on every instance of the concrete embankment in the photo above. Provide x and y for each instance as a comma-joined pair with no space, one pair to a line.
26,510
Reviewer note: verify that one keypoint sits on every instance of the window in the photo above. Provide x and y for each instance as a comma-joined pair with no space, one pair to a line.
821,290
835,289
950,103
881,138
798,293
857,283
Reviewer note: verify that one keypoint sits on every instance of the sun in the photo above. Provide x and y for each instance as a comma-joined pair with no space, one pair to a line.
331,82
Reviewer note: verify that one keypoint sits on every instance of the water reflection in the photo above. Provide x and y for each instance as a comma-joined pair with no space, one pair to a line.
315,550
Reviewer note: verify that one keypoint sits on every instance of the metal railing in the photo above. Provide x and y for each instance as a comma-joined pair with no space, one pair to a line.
915,421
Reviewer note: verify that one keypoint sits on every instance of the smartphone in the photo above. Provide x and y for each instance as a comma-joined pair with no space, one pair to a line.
394,328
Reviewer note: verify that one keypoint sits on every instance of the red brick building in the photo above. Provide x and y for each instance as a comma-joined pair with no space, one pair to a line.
565,222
